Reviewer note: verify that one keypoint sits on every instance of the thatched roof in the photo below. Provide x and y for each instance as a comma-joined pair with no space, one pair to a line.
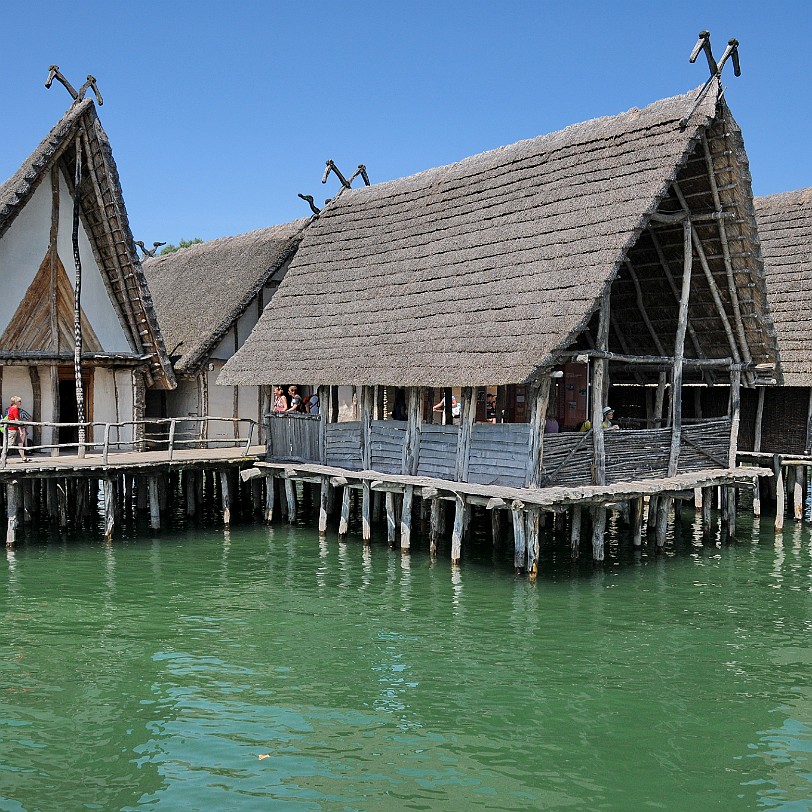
107,225
785,227
477,273
200,291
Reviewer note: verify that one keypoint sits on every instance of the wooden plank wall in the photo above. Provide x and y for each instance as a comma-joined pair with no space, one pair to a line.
498,454
388,437
295,438
438,451
344,445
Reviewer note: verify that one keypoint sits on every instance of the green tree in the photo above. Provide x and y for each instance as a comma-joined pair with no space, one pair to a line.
182,244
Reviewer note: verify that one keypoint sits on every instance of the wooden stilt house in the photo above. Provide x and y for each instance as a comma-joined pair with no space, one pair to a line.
780,419
208,298
55,232
623,249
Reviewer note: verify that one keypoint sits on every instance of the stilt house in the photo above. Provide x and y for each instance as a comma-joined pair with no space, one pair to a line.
623,248
123,355
780,419
208,298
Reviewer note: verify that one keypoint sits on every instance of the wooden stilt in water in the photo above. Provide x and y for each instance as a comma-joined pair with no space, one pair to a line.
12,502
377,506
163,492
460,509
575,531
109,509
225,497
324,501
707,504
731,512
533,530
663,507
366,525
636,520
189,492
757,497
26,498
436,526
154,504
270,493
651,519
142,494
62,497
52,499
598,532
344,522
391,519
519,538
677,511
780,496
406,519
290,499
496,526
798,492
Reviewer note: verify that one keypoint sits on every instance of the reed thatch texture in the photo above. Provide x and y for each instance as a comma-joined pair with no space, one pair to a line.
104,217
200,291
477,273
785,228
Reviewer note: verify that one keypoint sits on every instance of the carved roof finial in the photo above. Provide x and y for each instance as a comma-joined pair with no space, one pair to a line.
77,95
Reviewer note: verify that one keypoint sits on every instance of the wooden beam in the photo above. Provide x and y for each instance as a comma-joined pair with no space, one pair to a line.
679,351
464,436
324,499
598,531
414,425
540,398
599,371
269,498
735,415
757,429
406,519
519,538
344,521
575,531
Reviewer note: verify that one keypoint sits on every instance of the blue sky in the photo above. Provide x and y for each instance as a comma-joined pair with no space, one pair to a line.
219,113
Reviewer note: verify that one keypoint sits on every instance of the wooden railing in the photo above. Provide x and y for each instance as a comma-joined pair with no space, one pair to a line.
143,435
498,453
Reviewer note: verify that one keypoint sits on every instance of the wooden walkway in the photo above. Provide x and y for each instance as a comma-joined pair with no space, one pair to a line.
131,462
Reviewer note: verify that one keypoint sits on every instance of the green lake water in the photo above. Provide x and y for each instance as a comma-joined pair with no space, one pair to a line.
156,671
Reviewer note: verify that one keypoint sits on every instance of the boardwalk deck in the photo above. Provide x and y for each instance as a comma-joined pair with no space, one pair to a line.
129,461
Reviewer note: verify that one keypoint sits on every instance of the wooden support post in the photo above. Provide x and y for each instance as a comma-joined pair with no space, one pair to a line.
225,497
391,518
798,492
735,415
344,522
367,398
532,533
636,520
575,532
659,401
52,499
464,437
12,503
519,538
154,504
414,425
27,498
270,494
496,526
62,499
661,529
760,418
436,526
780,494
366,500
109,510
651,519
757,496
324,499
707,504
731,511
540,398
189,492
679,353
677,503
598,531
599,372
290,499
460,509
406,519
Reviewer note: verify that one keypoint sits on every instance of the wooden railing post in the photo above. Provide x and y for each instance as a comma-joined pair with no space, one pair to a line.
172,424
106,447
247,448
5,448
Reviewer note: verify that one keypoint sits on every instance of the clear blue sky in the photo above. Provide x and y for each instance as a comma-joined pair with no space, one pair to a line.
220,112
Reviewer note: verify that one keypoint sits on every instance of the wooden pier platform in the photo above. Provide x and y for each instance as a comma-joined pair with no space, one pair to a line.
54,475
525,505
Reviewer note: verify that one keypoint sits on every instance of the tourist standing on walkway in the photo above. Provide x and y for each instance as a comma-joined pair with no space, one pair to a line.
16,432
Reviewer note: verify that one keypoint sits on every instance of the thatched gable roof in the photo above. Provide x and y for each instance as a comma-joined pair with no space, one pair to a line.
785,227
106,224
477,273
200,291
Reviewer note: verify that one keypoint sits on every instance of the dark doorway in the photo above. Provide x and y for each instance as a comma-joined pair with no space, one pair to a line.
67,405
